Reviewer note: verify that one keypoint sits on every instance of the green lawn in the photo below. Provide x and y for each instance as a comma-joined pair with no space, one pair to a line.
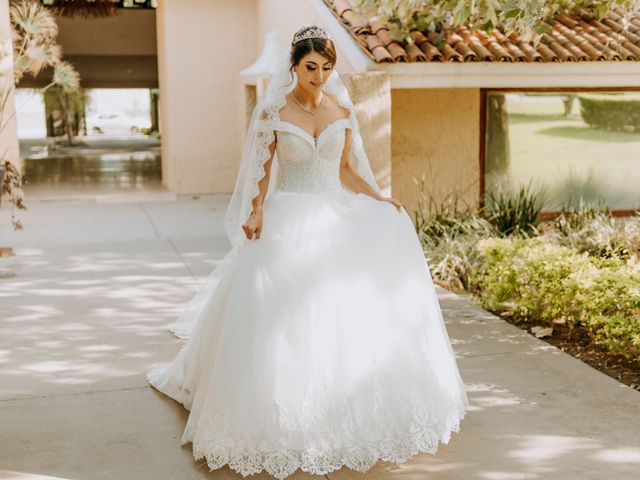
570,159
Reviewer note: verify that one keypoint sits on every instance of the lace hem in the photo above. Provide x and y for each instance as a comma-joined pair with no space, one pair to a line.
283,463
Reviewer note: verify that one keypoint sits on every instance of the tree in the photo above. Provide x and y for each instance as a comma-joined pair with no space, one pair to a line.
69,107
528,18
497,156
34,33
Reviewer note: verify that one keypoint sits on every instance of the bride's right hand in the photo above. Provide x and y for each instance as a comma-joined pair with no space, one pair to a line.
253,225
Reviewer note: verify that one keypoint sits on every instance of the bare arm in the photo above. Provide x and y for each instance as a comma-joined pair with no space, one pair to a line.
253,225
353,181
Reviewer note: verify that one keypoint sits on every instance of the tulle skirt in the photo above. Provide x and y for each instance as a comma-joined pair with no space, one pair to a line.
318,346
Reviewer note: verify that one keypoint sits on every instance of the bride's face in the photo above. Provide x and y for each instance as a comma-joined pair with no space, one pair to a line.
313,71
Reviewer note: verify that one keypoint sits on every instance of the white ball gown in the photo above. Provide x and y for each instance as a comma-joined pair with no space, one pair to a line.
322,344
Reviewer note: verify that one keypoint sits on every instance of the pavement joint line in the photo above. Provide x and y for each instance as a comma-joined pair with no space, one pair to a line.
186,265
54,395
168,240
476,355
141,205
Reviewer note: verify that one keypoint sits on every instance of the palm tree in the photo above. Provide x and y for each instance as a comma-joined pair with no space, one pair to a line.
34,33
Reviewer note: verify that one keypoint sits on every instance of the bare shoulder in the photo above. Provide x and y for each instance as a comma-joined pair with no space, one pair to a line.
340,111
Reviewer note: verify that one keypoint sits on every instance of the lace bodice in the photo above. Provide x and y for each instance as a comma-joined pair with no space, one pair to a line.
306,164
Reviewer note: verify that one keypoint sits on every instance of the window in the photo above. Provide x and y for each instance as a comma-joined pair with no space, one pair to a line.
576,145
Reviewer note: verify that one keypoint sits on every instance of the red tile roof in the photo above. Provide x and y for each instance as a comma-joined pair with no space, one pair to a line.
572,38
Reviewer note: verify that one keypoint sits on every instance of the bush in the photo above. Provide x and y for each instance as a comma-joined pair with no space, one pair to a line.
584,272
535,280
619,333
531,279
611,112
515,212
449,232
595,231
580,187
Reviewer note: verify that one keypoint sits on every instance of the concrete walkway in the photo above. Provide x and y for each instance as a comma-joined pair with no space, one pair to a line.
84,306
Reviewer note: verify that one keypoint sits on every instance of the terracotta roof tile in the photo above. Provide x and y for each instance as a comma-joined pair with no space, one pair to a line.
341,6
347,15
473,41
572,38
466,54
497,51
414,53
515,51
398,53
431,53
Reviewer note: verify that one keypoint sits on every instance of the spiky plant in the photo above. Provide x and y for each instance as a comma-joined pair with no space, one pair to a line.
449,231
34,33
515,212
593,229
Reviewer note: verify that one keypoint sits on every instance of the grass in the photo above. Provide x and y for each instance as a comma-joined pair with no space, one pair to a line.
550,149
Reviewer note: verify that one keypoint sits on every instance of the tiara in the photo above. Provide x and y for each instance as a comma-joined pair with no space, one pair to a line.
311,32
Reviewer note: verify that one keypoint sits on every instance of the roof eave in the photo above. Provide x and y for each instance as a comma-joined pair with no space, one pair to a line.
511,75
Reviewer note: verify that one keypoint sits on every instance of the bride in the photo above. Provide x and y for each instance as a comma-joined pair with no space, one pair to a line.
318,341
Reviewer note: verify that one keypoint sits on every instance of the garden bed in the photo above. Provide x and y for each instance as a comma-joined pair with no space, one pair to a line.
577,343
573,281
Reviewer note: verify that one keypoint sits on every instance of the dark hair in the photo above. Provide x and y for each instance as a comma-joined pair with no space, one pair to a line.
323,46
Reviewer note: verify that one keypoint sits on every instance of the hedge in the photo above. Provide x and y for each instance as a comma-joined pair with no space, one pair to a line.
540,281
611,112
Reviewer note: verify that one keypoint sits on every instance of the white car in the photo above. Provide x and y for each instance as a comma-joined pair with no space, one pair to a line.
116,123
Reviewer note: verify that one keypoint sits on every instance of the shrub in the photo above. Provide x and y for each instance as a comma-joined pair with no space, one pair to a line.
611,112
595,231
515,212
449,231
532,279
539,281
580,187
583,272
619,333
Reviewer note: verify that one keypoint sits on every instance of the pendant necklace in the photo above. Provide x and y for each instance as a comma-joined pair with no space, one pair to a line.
312,112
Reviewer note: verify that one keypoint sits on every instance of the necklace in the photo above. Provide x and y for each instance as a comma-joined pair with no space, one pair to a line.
312,112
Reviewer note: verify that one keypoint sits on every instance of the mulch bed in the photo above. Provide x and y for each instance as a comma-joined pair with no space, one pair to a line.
577,343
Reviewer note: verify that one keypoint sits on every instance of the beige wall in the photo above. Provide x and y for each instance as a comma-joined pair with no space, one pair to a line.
435,132
9,149
202,46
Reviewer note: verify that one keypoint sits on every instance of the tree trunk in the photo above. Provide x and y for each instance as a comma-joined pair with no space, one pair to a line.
497,141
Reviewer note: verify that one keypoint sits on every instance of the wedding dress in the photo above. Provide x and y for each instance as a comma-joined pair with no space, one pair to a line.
322,344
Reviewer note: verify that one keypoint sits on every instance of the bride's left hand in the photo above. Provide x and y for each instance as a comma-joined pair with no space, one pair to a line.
392,201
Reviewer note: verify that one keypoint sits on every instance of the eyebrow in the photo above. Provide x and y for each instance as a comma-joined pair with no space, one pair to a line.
311,61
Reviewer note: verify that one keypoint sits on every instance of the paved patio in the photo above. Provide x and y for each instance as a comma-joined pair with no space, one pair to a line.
84,308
